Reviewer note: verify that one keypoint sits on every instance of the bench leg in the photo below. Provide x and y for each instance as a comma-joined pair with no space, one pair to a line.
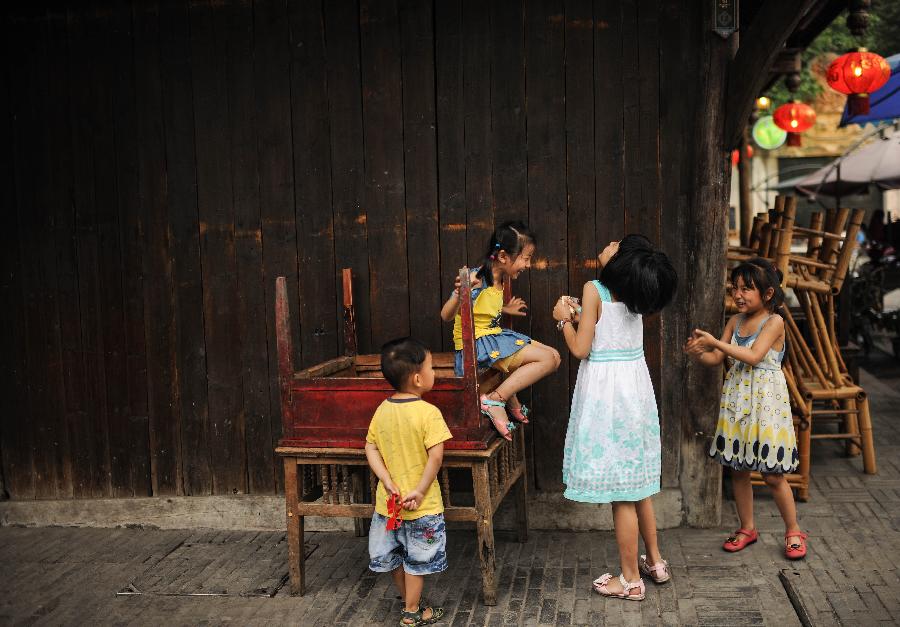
485,527
296,553
521,494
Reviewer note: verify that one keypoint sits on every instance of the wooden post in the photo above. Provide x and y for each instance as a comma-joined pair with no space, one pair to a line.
470,367
843,260
484,525
296,557
785,238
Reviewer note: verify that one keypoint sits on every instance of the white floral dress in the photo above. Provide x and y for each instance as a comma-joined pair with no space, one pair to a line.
612,450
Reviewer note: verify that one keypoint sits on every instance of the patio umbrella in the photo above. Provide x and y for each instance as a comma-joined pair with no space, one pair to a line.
875,163
884,103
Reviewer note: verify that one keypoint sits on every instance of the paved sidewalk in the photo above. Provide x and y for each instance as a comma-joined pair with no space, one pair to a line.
71,576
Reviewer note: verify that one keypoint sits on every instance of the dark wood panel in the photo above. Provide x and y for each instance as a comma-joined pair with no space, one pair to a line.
189,349
351,247
276,182
582,246
105,218
609,139
642,185
312,185
544,50
420,171
161,329
256,435
675,122
476,58
131,442
450,147
384,190
15,436
92,472
210,55
63,273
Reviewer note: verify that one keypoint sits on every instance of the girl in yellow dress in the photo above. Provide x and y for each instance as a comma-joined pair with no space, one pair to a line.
755,430
526,361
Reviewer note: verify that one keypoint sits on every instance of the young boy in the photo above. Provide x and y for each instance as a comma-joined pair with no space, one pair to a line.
405,449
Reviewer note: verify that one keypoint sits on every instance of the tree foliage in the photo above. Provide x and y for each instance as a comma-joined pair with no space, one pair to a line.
882,36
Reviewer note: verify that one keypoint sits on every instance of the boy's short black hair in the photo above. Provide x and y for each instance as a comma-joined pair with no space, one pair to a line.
640,276
400,359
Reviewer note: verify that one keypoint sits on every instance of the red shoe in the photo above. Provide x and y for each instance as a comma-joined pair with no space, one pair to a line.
797,550
735,544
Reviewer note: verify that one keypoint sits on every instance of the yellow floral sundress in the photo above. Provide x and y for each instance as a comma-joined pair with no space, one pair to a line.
755,430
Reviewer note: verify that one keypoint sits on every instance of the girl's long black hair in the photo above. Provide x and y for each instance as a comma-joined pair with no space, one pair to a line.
762,275
640,276
511,237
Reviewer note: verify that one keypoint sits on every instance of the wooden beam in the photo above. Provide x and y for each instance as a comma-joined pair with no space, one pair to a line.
760,45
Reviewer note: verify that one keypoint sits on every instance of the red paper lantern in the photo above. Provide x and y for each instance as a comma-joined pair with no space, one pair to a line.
736,155
858,74
795,118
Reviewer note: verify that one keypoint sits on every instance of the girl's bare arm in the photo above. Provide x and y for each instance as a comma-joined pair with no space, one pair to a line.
706,354
579,340
772,331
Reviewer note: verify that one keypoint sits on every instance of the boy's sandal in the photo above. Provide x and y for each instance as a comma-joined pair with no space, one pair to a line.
795,550
735,544
519,413
658,573
437,613
600,585
505,429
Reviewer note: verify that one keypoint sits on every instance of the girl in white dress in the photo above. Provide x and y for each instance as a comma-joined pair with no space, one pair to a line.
612,450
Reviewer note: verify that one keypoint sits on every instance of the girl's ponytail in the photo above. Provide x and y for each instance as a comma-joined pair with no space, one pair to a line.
510,237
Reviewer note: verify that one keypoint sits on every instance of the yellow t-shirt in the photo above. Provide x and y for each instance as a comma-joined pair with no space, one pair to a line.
486,312
403,430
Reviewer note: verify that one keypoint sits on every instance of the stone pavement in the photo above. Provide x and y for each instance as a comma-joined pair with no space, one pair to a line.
71,576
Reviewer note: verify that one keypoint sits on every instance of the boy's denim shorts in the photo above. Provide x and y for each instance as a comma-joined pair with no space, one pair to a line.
420,545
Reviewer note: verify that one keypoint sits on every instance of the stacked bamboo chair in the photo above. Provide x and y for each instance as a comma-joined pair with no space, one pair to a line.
819,383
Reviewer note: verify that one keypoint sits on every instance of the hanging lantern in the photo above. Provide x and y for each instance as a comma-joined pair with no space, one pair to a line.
795,118
858,74
763,103
767,135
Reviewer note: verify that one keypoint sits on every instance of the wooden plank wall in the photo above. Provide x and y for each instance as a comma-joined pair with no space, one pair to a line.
163,161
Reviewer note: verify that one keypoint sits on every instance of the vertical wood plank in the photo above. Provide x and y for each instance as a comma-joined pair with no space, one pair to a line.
608,122
15,434
450,146
509,158
476,56
312,185
131,441
256,436
91,442
189,359
59,209
210,52
642,182
161,329
675,123
351,247
279,231
420,171
110,296
582,246
545,63
384,191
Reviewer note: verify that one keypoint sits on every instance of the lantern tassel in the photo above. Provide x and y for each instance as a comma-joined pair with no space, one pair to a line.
858,104
794,139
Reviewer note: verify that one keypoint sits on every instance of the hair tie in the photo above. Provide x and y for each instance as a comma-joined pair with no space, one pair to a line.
497,245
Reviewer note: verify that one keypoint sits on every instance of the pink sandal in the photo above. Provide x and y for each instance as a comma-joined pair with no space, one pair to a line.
519,413
504,429
601,588
658,573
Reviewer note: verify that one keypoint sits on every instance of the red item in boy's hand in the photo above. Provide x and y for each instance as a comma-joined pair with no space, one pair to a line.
394,508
